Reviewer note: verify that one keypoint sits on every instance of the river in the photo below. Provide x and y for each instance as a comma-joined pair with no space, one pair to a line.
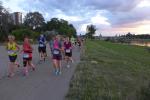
147,44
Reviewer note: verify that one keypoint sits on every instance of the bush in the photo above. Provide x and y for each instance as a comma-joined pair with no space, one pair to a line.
21,33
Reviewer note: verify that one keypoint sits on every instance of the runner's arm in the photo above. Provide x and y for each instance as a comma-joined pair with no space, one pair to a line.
18,48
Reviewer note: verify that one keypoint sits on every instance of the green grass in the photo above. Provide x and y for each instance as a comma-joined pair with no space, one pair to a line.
122,72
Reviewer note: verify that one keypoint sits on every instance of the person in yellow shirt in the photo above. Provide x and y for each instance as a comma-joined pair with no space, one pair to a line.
12,49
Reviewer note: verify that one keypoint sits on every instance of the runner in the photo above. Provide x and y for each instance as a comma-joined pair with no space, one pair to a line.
75,42
12,49
68,51
51,44
27,56
56,48
42,47
63,52
79,42
72,40
45,54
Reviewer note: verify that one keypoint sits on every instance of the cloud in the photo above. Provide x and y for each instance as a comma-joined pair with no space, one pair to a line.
115,5
128,19
110,17
13,5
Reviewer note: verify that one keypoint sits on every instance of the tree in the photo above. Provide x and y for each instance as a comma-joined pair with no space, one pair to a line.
5,22
61,26
34,20
53,24
129,35
21,33
91,29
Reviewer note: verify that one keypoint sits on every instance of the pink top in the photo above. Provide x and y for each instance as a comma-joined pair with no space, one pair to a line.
56,46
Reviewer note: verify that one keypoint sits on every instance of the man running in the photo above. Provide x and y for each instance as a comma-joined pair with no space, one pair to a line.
56,48
12,49
42,47
27,56
68,51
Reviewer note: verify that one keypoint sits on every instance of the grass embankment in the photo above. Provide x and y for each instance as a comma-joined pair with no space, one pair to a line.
122,72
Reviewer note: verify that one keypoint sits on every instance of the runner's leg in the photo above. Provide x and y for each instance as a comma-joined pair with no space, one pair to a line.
25,64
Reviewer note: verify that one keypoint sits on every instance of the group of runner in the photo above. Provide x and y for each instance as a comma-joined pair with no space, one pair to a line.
60,47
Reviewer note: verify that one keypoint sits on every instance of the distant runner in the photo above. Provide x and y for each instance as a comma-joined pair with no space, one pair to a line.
12,49
27,56
73,40
79,42
56,48
42,47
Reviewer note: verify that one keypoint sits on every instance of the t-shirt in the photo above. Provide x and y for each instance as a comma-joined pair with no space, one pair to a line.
12,48
55,44
42,41
67,45
27,49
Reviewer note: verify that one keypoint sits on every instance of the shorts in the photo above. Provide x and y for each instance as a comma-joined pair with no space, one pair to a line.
12,58
56,54
42,49
68,54
26,60
57,57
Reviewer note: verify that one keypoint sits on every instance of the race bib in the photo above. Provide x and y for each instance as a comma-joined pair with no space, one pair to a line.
25,55
68,50
56,52
10,52
41,45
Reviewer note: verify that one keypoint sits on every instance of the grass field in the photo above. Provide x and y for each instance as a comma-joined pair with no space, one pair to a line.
111,72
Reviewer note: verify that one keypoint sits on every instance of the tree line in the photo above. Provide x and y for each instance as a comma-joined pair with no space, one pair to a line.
133,36
33,25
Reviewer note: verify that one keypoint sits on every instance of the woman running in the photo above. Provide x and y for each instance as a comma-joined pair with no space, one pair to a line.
12,49
56,48
68,51
27,56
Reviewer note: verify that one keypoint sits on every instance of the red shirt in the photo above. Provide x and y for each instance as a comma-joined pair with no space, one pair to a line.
27,49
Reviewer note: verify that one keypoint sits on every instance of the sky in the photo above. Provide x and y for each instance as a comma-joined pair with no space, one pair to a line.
111,17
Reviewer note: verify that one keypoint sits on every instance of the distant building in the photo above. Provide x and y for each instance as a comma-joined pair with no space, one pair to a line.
17,18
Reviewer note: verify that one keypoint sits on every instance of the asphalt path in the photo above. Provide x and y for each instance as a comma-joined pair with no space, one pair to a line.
41,84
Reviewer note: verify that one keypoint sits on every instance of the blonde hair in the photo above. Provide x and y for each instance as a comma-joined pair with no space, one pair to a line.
11,37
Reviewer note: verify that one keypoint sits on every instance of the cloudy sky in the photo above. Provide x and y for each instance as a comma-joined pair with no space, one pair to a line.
111,17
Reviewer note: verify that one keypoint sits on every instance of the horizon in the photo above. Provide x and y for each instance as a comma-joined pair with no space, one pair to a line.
119,17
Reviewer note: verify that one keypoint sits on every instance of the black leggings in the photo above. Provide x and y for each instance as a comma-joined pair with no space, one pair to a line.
25,61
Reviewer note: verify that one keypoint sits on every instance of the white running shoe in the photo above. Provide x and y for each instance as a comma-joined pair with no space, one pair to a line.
72,61
68,66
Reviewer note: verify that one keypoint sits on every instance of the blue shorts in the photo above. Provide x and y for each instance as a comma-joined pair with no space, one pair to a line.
12,58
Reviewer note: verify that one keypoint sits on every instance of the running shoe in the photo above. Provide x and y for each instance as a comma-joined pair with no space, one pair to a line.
68,66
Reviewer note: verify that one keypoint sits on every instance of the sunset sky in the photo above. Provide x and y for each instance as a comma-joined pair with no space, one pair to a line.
111,17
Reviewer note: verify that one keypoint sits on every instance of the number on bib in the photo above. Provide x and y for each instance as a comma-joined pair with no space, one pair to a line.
56,52
25,55
41,45
68,51
10,52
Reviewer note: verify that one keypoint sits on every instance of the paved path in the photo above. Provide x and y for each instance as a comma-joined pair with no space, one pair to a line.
39,85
